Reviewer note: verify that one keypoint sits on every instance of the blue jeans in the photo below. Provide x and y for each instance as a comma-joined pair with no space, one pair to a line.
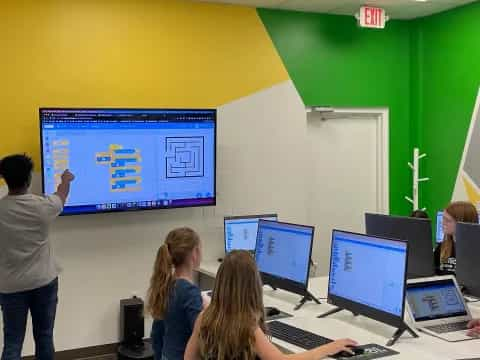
42,303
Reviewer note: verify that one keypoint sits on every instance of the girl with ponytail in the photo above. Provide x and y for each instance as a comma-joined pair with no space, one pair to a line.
173,300
233,326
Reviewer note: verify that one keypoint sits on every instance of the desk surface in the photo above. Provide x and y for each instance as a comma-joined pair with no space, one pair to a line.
360,328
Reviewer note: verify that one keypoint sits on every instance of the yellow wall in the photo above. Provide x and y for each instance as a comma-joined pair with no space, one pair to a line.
157,53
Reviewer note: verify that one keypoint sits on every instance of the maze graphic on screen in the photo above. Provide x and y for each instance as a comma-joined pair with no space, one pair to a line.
184,157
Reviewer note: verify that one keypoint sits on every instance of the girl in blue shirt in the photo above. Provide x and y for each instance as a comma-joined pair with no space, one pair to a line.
174,301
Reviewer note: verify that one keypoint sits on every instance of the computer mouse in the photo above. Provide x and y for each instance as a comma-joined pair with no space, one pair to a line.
271,311
345,354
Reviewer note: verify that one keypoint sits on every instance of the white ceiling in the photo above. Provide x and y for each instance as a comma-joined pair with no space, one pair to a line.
396,9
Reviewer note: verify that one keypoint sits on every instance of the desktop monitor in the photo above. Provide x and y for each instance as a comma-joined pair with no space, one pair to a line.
130,159
283,253
368,276
439,233
240,232
467,252
418,232
439,227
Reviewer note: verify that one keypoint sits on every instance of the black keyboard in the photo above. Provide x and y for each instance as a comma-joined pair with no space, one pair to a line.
447,328
295,336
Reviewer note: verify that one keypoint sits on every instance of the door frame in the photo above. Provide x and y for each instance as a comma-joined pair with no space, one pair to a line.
383,150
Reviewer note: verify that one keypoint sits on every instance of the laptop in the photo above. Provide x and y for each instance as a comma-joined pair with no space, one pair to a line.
240,232
437,307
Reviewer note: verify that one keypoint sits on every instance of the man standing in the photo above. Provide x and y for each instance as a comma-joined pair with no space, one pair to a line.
28,271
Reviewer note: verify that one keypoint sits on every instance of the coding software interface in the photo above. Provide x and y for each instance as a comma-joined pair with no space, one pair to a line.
241,233
369,271
432,301
130,158
283,250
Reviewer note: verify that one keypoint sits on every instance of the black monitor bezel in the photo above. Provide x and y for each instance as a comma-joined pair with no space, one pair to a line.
133,209
283,283
419,261
361,309
227,218
467,275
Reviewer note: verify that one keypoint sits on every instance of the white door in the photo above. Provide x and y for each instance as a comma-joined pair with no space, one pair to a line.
349,173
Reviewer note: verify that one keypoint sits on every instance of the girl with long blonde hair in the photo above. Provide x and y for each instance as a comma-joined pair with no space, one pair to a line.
173,300
233,326
459,211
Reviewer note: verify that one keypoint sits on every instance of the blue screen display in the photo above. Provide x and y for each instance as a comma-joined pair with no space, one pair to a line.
369,271
283,250
241,233
439,236
125,159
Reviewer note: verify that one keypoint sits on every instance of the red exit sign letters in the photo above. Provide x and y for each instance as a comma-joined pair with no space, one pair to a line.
372,17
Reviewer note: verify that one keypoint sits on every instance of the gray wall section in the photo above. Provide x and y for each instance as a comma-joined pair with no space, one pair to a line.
472,161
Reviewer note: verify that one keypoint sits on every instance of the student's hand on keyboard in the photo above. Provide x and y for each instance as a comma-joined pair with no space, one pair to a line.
474,327
339,346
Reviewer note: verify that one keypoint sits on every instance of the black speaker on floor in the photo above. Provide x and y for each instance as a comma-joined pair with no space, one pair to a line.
132,325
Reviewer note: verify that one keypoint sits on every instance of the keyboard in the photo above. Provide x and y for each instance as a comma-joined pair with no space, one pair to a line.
295,336
447,328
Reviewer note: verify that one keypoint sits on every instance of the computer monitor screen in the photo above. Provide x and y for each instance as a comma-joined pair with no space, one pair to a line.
436,299
241,231
282,254
368,275
418,232
439,232
130,159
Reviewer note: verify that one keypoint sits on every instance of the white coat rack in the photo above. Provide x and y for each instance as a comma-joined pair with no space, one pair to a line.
416,180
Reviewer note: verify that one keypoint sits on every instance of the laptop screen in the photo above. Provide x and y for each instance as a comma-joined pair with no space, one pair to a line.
433,300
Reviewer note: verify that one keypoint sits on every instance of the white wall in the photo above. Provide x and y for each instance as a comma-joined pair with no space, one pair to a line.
262,166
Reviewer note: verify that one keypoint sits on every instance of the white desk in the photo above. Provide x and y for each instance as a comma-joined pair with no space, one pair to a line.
209,269
360,328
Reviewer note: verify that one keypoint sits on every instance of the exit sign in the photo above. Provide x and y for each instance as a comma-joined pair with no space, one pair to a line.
372,17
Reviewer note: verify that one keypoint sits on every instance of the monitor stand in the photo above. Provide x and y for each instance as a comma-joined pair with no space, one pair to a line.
333,311
390,342
399,333
469,298
307,297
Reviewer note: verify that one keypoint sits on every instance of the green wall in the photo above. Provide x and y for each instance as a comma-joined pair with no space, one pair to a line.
448,60
334,62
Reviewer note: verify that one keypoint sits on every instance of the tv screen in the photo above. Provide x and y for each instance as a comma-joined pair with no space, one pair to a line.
130,159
